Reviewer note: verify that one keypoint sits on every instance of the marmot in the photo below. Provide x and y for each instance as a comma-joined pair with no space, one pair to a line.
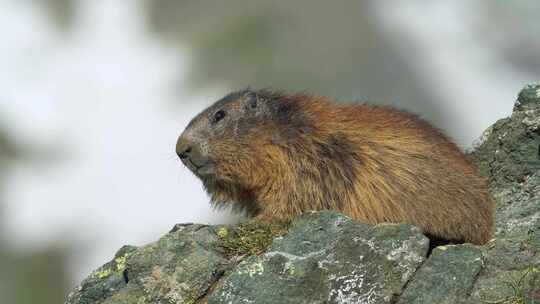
276,155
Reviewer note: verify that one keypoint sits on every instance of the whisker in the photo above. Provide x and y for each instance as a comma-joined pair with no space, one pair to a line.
168,156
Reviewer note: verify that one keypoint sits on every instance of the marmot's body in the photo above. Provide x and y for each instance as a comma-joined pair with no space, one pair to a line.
276,156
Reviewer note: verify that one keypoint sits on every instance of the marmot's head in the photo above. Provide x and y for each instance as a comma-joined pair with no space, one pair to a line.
227,137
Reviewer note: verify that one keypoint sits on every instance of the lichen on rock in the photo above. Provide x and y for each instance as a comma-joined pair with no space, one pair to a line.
179,268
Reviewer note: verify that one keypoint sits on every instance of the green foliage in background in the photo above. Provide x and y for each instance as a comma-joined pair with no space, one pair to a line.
61,12
327,49
33,277
30,276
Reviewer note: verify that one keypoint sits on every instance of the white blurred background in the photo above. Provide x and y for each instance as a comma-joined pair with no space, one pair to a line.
94,93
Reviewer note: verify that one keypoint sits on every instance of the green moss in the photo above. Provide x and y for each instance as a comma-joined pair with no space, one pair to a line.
142,300
192,298
121,262
222,232
102,273
118,265
251,238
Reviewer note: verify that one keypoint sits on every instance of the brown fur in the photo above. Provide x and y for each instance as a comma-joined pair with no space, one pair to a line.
277,156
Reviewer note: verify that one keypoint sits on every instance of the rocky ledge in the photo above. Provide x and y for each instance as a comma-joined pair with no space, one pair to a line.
325,257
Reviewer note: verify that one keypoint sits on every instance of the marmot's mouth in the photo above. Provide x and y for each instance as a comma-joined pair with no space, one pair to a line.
203,169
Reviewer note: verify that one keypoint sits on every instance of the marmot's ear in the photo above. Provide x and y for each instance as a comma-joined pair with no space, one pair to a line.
252,99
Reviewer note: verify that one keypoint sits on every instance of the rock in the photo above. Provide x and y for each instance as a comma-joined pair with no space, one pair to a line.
518,208
178,268
509,150
326,257
510,273
446,277
509,155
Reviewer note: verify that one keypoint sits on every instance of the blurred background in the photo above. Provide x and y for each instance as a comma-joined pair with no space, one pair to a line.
93,95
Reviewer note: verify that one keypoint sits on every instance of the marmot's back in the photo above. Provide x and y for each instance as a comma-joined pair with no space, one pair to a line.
413,173
277,156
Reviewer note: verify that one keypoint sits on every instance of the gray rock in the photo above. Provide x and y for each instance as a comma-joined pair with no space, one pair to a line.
446,277
510,273
518,208
178,268
509,155
509,150
328,258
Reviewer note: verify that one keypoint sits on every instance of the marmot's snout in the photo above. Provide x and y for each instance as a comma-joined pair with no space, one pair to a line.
192,156
183,148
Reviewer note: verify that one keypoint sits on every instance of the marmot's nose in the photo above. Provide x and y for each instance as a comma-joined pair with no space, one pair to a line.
183,148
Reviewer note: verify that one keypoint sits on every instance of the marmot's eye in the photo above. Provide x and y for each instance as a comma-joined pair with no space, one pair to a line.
253,103
219,115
